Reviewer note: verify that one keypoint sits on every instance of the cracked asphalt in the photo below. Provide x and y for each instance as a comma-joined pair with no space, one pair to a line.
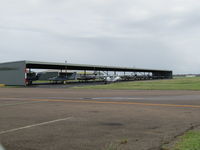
74,119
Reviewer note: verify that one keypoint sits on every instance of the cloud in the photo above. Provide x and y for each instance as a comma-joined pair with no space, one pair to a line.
149,34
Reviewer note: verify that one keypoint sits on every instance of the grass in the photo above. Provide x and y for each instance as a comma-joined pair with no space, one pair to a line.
190,141
192,83
42,81
2,85
113,146
116,146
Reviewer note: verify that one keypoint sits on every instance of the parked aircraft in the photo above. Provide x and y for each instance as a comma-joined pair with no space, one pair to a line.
86,77
112,79
63,76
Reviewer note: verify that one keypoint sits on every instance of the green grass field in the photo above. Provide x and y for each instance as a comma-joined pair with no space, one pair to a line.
192,83
190,141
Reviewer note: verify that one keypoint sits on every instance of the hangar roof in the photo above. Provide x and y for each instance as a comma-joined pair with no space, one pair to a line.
70,66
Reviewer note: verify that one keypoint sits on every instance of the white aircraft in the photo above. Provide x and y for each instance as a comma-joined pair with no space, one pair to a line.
112,78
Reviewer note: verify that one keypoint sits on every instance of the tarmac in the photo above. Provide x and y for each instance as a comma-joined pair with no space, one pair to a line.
74,119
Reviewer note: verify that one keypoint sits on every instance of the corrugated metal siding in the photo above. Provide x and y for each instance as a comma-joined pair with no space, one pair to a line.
12,73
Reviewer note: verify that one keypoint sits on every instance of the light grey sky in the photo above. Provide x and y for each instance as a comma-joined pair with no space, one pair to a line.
157,34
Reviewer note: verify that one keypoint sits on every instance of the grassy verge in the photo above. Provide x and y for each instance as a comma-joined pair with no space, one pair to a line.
174,84
190,141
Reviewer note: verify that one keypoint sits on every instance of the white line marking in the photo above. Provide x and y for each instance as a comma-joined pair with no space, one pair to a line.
34,125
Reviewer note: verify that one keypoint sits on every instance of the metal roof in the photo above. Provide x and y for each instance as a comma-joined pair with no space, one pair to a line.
69,66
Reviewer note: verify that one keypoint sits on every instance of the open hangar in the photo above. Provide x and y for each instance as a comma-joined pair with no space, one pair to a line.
16,73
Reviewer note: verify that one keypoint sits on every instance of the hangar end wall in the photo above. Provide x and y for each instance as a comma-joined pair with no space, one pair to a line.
12,73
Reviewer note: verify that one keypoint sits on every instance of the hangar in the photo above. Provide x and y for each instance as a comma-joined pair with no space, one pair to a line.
16,73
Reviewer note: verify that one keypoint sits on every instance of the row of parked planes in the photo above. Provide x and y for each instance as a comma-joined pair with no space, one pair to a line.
61,77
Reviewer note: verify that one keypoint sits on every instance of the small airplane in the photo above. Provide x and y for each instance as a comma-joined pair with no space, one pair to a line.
86,77
112,79
63,76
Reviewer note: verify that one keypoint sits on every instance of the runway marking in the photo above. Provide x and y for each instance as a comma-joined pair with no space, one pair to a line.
14,104
12,98
126,103
79,98
34,125
106,102
116,98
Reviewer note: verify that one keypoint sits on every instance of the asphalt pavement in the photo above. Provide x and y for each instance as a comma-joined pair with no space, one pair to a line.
74,119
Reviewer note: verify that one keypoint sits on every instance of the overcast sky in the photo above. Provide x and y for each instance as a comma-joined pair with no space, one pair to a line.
156,34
